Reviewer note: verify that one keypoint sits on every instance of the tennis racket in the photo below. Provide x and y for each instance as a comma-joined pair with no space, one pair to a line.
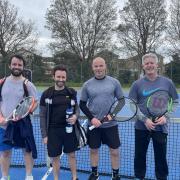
121,107
80,134
50,169
158,104
22,109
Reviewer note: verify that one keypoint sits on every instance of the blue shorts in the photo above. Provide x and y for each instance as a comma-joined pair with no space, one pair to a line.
3,146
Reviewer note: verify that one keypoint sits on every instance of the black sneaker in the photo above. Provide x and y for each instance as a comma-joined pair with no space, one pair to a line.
116,178
93,176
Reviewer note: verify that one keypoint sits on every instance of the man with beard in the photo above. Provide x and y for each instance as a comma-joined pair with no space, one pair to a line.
12,92
56,121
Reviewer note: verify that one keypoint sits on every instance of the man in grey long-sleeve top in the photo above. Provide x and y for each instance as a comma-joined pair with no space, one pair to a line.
97,96
145,128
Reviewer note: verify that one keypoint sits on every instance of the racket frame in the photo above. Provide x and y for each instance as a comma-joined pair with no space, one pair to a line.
12,117
113,115
169,106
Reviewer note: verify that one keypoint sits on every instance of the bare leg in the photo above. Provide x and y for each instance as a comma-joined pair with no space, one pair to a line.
28,162
114,153
94,157
5,162
72,164
56,167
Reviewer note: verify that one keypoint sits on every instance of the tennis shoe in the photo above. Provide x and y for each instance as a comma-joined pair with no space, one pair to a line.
5,178
116,178
93,176
29,178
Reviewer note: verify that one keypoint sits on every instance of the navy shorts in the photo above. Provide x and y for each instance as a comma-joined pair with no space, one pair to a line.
108,136
59,140
3,146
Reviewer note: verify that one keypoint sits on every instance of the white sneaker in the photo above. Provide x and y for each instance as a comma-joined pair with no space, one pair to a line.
29,178
5,178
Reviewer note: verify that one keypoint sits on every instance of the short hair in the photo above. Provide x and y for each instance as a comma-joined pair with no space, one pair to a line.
98,57
152,55
59,67
18,56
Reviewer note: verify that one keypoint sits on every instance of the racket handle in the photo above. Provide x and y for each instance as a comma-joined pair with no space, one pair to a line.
91,127
6,120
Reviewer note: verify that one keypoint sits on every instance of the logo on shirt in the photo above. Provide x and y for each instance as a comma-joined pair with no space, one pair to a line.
149,92
48,101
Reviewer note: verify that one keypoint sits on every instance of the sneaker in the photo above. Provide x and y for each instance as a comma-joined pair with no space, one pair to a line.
29,178
93,176
116,178
5,178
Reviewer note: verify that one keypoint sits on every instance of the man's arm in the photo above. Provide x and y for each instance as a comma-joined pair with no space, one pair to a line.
32,91
77,111
85,110
43,121
43,109
35,106
2,118
94,121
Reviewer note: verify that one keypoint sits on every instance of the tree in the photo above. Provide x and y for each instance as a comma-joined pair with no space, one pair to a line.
141,27
173,69
173,30
14,32
81,26
70,60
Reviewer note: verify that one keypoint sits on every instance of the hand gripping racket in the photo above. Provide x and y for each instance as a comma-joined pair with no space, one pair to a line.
22,109
125,108
158,104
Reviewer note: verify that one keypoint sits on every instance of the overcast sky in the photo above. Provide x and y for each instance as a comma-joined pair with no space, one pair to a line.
36,10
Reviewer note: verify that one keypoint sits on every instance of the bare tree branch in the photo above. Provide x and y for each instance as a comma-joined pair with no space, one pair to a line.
14,32
141,27
173,30
82,26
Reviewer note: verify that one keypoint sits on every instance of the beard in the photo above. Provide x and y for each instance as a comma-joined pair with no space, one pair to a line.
60,84
16,72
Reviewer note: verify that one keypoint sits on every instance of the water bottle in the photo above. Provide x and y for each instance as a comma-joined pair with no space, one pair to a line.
69,126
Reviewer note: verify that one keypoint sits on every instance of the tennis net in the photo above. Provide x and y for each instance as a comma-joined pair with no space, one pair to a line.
126,130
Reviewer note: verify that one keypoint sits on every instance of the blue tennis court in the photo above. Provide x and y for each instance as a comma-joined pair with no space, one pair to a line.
126,130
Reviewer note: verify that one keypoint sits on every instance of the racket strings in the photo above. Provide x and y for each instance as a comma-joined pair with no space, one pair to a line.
117,106
121,110
23,108
125,106
170,107
159,103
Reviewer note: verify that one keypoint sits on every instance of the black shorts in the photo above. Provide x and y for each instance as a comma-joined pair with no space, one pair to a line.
108,136
59,140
